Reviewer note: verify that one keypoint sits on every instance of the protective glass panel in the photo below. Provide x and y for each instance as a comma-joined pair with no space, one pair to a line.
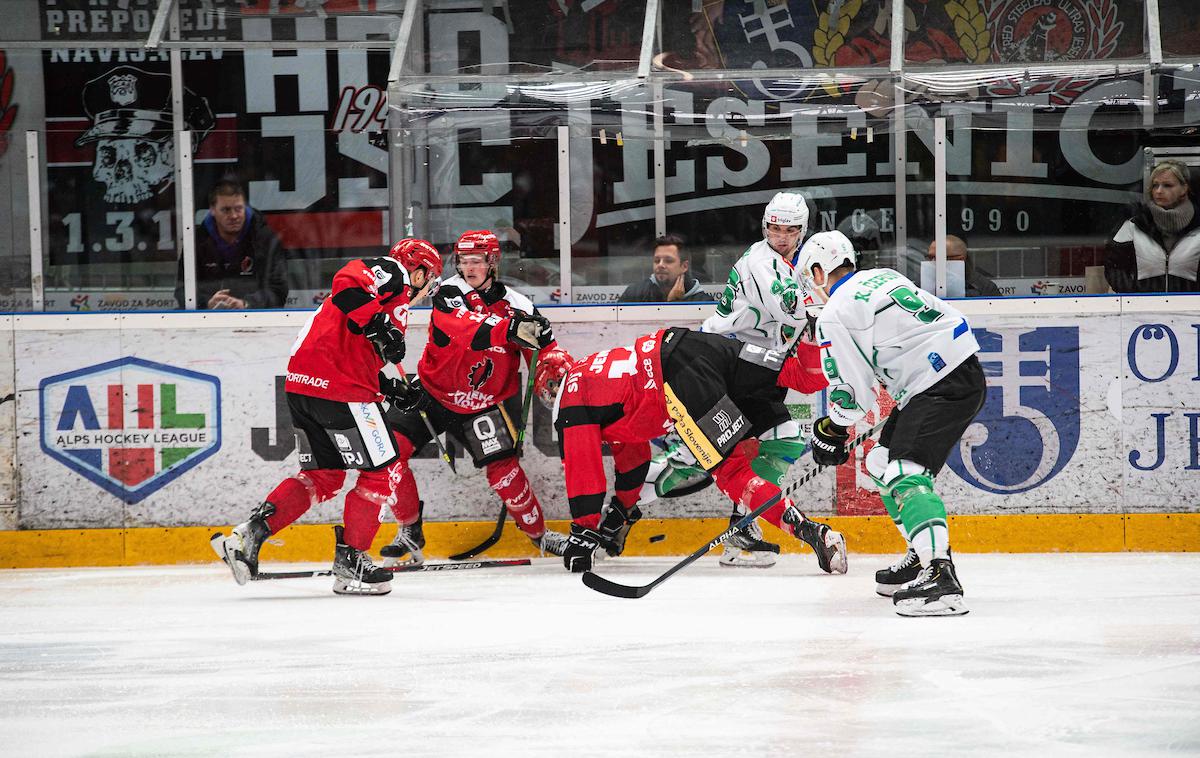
304,20
529,37
1179,27
15,292
85,20
110,184
305,138
487,170
1031,199
751,34
1018,31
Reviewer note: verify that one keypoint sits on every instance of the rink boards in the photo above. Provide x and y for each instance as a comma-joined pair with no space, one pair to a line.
147,429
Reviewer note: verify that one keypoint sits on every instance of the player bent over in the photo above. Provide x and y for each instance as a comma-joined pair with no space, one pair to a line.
923,352
469,387
715,393
763,304
333,395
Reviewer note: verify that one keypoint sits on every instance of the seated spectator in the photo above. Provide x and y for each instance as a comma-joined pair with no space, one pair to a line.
978,283
239,260
1158,248
670,281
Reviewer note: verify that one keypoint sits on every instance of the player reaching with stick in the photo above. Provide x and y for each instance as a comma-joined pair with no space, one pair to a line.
877,327
469,386
714,392
334,397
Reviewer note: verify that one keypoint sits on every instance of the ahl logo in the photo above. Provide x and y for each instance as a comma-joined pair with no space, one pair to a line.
130,426
1028,428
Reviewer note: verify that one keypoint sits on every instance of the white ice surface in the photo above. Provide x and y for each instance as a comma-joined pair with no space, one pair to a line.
1076,655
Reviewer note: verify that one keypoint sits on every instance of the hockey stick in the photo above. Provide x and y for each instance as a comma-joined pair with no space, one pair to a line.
429,427
607,587
263,576
494,537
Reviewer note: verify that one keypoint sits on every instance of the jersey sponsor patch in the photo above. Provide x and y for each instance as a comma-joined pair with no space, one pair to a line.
489,434
760,356
376,439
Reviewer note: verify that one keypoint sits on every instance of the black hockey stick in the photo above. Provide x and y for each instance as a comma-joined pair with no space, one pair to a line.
607,587
492,539
266,575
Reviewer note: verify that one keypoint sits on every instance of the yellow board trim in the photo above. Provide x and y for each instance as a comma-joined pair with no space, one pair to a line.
308,543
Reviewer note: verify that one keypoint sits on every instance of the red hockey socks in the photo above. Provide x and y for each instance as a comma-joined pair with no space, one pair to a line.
295,495
509,482
740,484
364,505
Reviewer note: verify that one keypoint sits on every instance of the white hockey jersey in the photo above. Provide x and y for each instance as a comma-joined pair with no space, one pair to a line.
763,302
879,325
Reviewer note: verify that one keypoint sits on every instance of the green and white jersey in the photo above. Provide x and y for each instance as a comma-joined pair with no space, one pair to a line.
878,325
762,303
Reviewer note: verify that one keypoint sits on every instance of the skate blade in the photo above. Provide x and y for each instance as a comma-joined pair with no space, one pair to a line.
345,587
747,559
228,550
408,559
837,561
946,605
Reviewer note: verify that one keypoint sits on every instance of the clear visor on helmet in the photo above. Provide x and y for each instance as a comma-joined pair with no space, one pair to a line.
472,259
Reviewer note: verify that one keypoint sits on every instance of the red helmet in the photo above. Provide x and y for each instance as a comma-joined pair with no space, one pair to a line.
552,366
480,242
414,254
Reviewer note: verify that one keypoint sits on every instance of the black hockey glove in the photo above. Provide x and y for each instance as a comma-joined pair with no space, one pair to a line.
386,337
405,396
581,547
829,443
532,332
615,523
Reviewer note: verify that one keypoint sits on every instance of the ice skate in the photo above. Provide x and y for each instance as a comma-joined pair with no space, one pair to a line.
935,592
354,573
746,548
551,542
406,549
830,546
903,571
240,549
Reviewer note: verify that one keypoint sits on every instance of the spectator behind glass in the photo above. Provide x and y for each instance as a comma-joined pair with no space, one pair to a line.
978,282
239,260
1158,248
670,281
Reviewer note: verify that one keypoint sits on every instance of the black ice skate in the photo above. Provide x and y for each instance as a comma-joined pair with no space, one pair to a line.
935,592
406,549
551,542
746,548
240,549
903,571
830,546
354,573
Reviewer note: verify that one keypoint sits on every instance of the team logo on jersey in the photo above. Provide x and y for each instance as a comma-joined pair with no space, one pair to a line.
1029,426
480,372
130,426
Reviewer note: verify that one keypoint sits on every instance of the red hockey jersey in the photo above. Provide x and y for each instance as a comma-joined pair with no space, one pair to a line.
331,358
468,363
616,397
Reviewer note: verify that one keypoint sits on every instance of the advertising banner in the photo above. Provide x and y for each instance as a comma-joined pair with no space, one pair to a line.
184,426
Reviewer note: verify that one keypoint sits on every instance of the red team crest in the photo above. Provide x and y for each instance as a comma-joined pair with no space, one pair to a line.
480,372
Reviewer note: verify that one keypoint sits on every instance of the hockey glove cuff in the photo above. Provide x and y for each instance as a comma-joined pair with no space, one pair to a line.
529,331
386,337
829,443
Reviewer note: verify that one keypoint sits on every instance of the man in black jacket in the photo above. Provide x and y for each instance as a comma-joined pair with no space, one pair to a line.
670,282
239,260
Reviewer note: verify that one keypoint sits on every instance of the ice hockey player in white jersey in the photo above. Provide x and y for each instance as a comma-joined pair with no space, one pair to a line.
877,326
763,304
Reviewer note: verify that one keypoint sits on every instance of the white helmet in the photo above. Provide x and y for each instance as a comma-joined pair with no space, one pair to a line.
829,250
786,209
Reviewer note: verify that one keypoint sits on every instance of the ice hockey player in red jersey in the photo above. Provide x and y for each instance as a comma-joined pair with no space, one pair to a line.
469,387
333,393
715,392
